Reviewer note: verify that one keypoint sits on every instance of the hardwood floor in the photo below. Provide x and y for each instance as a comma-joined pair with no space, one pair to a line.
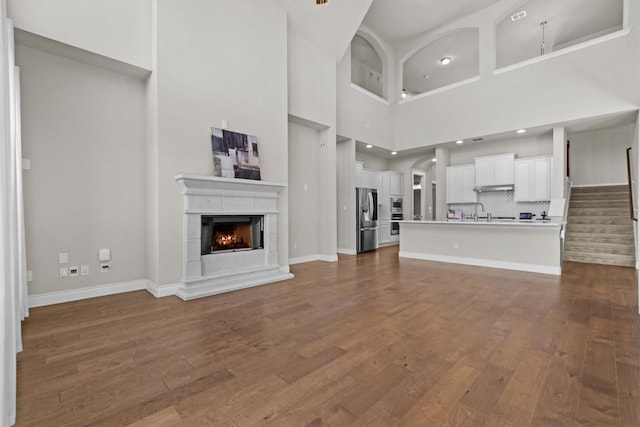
369,341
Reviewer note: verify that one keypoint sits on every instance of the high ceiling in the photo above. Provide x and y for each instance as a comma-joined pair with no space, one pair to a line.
394,20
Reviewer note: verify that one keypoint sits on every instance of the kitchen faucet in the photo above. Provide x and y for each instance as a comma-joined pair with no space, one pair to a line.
475,214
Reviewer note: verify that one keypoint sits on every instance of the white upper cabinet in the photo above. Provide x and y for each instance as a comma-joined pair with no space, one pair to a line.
494,170
533,179
460,183
396,183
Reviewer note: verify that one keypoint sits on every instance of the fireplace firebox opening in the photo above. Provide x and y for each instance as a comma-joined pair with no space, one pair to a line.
228,233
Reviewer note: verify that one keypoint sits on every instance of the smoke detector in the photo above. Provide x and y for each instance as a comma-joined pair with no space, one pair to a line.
519,15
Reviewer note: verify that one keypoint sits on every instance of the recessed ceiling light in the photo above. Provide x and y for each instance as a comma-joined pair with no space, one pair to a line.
521,130
369,145
425,76
404,93
393,153
434,159
445,61
459,141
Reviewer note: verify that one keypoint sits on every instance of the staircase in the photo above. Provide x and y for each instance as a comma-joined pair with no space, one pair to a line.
599,228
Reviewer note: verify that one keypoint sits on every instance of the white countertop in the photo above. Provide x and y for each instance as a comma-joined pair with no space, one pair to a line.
494,223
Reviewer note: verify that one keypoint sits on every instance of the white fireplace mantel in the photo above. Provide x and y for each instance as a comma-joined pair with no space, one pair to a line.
205,275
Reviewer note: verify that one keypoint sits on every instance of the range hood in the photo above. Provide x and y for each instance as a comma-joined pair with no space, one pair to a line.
485,188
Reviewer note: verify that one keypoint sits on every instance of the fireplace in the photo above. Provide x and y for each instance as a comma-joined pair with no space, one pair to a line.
229,233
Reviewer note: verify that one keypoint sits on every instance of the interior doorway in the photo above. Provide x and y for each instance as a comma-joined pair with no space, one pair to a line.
418,199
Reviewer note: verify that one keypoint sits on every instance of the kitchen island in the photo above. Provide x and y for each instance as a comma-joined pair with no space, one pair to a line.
534,246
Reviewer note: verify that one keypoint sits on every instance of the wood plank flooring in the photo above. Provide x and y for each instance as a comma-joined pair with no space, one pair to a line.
368,341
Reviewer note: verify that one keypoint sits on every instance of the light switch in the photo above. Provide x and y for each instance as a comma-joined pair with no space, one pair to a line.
63,258
26,164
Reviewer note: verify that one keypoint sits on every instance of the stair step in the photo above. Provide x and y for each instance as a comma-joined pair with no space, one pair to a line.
601,189
603,220
623,261
617,195
598,204
626,230
599,238
604,211
599,248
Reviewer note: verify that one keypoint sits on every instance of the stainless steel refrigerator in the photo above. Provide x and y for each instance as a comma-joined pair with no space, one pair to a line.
366,219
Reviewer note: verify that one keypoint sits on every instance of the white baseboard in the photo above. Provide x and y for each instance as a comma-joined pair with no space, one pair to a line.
478,262
84,293
344,251
316,257
385,244
160,291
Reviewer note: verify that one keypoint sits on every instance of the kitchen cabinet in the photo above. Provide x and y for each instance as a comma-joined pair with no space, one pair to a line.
384,232
369,179
494,170
460,183
396,184
533,179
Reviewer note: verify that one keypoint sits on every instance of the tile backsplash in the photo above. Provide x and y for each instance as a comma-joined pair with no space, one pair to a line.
501,203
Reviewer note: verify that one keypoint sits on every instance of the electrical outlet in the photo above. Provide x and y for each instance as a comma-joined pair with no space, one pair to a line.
64,272
73,271
29,276
84,270
104,267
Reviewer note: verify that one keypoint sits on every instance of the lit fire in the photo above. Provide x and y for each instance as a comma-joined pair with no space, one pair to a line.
225,240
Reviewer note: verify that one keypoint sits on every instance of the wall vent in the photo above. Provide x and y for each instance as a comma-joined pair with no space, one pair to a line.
478,139
519,15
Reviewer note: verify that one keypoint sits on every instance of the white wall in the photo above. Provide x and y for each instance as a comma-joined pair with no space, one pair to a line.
83,129
599,157
203,78
311,82
575,85
372,162
522,147
118,29
361,116
305,221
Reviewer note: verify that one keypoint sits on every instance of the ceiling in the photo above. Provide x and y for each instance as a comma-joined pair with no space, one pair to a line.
395,20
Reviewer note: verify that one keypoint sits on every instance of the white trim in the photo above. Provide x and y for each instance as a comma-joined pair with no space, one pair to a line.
84,293
439,90
369,94
575,47
479,262
385,244
12,418
345,251
160,291
613,184
316,257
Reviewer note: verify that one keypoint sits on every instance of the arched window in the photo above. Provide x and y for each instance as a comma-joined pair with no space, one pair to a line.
450,59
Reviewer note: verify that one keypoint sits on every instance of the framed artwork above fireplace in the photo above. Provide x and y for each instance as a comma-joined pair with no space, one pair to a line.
235,155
